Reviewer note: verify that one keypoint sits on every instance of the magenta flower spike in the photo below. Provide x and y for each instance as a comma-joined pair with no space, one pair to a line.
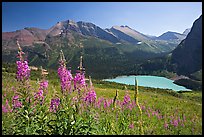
79,80
126,99
64,74
23,70
54,105
16,103
105,104
90,97
131,125
166,125
43,87
4,109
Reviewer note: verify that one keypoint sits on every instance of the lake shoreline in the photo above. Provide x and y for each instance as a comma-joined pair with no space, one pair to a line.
179,77
150,81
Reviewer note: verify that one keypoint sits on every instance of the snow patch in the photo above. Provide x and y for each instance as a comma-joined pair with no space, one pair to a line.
139,42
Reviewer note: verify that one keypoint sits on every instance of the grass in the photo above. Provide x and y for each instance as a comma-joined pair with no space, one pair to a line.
167,102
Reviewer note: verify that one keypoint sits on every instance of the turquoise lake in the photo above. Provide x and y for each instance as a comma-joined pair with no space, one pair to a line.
149,81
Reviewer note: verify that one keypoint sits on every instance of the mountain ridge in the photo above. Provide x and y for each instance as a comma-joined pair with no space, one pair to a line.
63,28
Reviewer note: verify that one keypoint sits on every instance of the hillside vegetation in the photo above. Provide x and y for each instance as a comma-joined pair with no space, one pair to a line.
164,112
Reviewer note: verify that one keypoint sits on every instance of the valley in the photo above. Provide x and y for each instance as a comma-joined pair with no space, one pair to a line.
95,69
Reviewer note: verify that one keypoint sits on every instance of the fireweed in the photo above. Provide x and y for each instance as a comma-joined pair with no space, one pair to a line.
64,75
7,107
79,79
54,104
40,94
91,95
23,70
121,121
16,103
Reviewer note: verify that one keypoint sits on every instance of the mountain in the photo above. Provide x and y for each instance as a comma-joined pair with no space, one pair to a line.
128,31
119,48
188,54
65,29
84,28
186,31
171,36
26,37
151,44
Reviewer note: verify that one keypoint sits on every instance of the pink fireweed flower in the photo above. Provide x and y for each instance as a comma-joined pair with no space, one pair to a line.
23,70
175,123
16,103
126,99
6,108
109,102
165,125
143,107
54,105
79,80
44,84
39,94
43,87
105,104
131,106
64,74
65,78
98,103
90,96
131,125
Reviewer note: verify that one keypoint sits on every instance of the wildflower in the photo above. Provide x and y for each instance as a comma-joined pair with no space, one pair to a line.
175,123
109,102
159,116
105,104
131,125
39,94
98,103
165,125
148,114
143,107
126,99
90,97
54,104
16,103
65,78
43,87
4,109
23,71
79,80
131,106
44,84
64,74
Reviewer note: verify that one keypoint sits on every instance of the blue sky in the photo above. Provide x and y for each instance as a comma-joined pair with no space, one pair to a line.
153,18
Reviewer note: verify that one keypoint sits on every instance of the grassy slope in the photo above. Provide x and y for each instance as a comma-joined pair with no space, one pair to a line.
168,102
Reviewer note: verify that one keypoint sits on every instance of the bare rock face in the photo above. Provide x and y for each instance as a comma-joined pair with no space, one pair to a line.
26,37
188,55
171,36
90,29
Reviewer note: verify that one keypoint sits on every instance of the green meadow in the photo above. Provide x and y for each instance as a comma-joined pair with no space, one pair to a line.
164,112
